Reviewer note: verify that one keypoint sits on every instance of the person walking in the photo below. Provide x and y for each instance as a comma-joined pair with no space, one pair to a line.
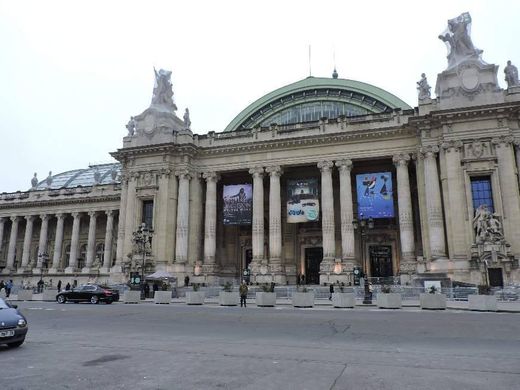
59,285
8,287
331,291
155,288
67,287
243,293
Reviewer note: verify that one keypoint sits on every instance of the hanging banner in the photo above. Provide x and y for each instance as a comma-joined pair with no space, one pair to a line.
374,195
238,204
303,203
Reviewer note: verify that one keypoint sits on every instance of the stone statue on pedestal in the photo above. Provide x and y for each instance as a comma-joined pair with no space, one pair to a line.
187,121
162,92
49,179
131,126
511,72
424,88
97,176
488,228
34,181
459,41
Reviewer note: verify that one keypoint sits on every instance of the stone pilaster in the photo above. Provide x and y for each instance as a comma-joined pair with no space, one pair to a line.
26,256
109,233
275,225
163,233
509,190
195,232
130,216
91,243
258,216
11,251
121,224
210,223
58,242
42,244
2,225
183,214
327,223
457,201
404,201
347,215
433,203
74,243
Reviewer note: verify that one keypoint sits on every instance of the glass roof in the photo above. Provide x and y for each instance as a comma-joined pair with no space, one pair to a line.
107,173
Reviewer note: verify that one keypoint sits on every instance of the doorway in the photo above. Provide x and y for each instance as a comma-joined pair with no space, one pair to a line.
495,277
313,258
381,261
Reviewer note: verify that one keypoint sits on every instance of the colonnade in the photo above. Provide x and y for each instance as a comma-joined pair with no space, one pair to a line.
28,264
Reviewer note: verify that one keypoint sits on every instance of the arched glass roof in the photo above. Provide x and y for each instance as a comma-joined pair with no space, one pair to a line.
313,98
108,173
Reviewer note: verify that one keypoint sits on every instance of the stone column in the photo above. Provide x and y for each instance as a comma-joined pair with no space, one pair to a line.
183,214
258,218
26,256
456,208
327,213
509,190
195,232
347,215
130,217
404,201
163,235
91,243
121,225
210,223
275,225
58,242
109,231
11,252
42,245
433,203
74,243
2,225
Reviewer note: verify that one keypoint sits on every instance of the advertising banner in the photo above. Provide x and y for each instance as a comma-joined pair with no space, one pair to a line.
374,195
303,204
238,204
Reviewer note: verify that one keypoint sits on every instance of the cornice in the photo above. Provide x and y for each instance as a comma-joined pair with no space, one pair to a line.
59,202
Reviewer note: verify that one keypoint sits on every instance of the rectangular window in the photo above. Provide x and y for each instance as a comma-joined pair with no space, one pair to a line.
148,213
482,193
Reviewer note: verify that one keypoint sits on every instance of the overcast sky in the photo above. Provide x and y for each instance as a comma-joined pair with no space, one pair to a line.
72,73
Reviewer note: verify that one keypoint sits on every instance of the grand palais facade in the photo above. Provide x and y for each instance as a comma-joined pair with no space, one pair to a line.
311,181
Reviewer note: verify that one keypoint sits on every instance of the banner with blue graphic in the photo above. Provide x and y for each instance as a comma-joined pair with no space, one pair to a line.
374,195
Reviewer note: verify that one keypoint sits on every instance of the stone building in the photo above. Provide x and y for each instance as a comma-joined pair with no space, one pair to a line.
314,179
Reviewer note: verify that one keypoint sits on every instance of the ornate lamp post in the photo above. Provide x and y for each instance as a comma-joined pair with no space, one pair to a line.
43,258
362,226
142,239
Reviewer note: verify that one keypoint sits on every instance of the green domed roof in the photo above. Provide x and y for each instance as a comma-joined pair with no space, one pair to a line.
340,96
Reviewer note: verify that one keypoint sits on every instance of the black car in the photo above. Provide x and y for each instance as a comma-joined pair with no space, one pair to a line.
92,293
13,325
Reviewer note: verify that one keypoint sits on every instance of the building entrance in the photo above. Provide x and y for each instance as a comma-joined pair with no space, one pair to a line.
381,261
313,258
495,277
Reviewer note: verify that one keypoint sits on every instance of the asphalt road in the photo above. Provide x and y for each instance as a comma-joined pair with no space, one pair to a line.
146,346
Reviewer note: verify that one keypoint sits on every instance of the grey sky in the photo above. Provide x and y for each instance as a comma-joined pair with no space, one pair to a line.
72,73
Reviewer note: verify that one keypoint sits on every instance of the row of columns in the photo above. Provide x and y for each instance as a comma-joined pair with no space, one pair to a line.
58,242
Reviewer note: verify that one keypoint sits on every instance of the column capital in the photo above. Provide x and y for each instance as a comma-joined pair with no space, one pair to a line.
60,216
165,172
76,215
428,151
503,140
44,217
184,174
211,176
401,159
344,165
29,218
452,145
92,214
325,166
14,219
257,171
274,170
110,213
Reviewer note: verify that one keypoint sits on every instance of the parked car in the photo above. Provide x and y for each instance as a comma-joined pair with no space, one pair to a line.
92,293
13,325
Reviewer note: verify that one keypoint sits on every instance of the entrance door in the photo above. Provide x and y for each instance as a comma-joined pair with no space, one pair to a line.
495,277
313,258
381,261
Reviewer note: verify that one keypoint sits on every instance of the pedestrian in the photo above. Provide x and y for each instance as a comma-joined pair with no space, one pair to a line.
8,287
59,285
331,291
2,284
155,288
40,286
67,287
147,290
186,281
243,293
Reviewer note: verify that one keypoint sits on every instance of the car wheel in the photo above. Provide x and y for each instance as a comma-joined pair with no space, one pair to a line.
94,299
61,299
15,345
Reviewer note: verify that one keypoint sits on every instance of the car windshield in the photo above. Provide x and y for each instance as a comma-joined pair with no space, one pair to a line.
3,305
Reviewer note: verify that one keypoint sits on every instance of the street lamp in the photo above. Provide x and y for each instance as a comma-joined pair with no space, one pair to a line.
142,239
362,226
43,258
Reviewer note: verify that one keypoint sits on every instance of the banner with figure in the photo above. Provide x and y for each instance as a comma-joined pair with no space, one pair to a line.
238,204
303,203
374,195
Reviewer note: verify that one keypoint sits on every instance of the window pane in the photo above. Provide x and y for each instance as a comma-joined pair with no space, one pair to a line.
481,192
148,213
